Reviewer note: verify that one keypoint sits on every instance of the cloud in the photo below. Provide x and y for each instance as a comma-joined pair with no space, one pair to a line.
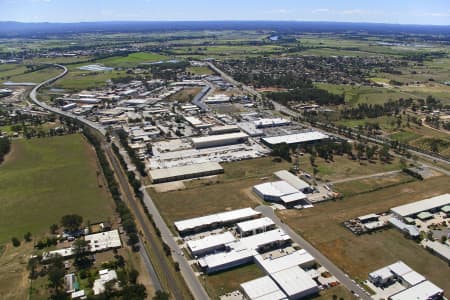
353,12
279,11
320,10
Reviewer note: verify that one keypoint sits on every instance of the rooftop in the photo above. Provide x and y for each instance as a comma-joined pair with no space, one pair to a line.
210,241
262,287
423,205
294,281
422,291
297,258
254,224
193,169
103,240
296,138
292,179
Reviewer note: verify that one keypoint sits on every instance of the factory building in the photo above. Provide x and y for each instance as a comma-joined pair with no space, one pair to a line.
185,172
425,290
433,204
219,140
212,221
294,181
223,129
295,283
309,137
300,258
256,226
210,243
263,288
280,192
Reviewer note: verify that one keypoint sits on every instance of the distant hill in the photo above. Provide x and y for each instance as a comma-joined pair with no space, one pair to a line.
18,29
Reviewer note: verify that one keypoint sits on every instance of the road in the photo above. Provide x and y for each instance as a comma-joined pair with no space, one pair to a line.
267,211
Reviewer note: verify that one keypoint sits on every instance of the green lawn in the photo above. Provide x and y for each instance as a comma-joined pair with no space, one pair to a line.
44,179
200,70
131,60
36,76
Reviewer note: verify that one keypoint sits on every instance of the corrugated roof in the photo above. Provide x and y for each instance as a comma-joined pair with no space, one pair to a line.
292,179
262,287
255,224
294,281
423,205
211,241
422,291
185,170
297,258
296,138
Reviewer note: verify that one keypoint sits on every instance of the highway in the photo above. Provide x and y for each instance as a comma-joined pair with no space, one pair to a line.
267,211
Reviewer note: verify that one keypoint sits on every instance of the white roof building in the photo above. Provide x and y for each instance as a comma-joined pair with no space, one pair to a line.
226,260
210,243
279,191
295,283
105,276
297,138
228,217
423,291
398,270
442,250
257,241
219,140
255,225
103,240
300,258
185,172
261,123
261,289
423,205
292,180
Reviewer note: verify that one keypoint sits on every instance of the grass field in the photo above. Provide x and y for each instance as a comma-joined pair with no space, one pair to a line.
232,190
185,95
18,75
79,80
343,167
43,179
359,255
200,70
131,60
228,281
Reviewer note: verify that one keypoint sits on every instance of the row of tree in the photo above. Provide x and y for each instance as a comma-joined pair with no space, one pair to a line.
5,147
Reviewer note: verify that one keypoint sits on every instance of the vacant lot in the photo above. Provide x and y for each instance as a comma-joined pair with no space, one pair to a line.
342,167
131,60
185,95
43,179
19,75
231,190
200,70
359,255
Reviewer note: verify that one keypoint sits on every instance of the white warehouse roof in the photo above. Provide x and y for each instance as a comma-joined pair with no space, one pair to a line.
254,242
254,224
209,242
292,179
297,258
422,291
219,137
189,170
423,205
224,217
296,138
295,282
224,258
103,240
275,189
262,288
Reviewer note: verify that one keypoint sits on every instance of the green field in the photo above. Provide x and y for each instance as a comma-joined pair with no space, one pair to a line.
44,179
131,60
200,70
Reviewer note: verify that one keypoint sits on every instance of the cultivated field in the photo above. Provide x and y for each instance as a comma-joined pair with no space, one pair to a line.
359,255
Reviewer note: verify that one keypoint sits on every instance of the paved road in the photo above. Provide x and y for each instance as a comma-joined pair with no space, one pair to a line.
366,176
320,258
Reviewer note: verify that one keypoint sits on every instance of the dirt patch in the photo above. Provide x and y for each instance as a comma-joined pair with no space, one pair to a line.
169,186
13,264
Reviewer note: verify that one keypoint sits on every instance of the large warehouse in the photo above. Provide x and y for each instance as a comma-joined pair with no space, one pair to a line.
294,181
219,140
427,205
295,139
263,288
185,172
280,192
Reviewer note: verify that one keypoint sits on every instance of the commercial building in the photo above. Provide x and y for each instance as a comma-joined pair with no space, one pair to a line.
428,205
263,123
295,139
225,260
197,123
411,230
105,276
223,129
294,181
210,243
398,271
300,258
280,192
219,140
425,290
295,283
215,220
263,288
185,172
439,249
256,226
103,240
263,242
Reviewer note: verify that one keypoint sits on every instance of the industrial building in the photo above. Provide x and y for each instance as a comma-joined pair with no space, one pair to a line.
263,288
280,192
210,243
271,122
425,290
185,172
103,241
294,181
219,140
295,283
439,249
411,230
300,258
215,220
295,139
223,129
398,271
225,260
428,205
256,226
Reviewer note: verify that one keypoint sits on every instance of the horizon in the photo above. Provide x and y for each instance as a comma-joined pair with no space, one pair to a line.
402,12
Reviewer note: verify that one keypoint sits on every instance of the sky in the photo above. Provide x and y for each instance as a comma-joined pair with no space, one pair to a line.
433,12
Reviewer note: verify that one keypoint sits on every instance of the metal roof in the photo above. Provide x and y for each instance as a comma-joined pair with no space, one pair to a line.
296,138
297,258
211,241
423,205
422,291
219,137
275,189
294,281
254,224
262,288
441,249
292,179
193,169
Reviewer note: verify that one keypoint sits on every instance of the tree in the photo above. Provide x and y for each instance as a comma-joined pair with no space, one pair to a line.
80,249
56,273
27,236
133,276
71,222
161,295
15,241
54,228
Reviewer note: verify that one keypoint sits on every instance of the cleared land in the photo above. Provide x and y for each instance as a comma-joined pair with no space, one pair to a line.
359,255
200,70
131,60
44,179
231,190
19,75
185,95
